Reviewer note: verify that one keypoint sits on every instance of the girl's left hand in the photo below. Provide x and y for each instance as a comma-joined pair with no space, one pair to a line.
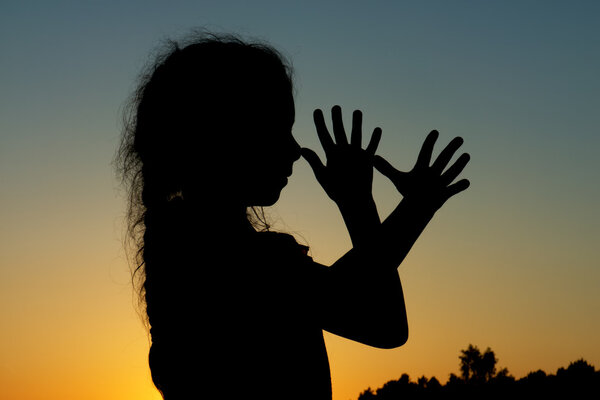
427,185
347,176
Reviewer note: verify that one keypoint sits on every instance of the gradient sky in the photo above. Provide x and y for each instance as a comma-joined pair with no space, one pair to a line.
510,264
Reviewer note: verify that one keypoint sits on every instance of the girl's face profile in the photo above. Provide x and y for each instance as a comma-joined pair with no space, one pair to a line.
271,149
240,147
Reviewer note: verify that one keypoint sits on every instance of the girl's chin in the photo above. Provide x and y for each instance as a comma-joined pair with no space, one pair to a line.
269,196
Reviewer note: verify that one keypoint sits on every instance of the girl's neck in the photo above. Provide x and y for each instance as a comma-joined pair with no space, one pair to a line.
221,217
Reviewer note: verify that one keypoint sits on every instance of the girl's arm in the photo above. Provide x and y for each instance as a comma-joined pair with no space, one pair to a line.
362,294
362,297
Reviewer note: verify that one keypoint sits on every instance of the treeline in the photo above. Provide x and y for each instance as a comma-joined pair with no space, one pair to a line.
480,379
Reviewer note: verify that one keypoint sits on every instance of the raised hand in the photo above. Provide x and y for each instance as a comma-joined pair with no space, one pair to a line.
429,185
347,178
348,175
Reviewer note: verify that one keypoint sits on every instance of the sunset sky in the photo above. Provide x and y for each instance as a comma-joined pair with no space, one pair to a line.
511,264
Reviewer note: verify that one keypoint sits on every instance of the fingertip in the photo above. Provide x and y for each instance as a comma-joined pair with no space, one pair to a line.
458,187
462,185
433,136
318,117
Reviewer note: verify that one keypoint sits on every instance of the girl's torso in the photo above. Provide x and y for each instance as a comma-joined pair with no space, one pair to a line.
237,318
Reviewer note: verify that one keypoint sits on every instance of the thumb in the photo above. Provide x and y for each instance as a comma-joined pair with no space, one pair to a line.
313,160
385,167
398,178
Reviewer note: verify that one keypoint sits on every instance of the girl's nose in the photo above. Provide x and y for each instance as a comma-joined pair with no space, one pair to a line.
295,149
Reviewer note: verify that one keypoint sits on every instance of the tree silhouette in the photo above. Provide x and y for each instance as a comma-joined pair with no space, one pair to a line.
367,394
392,390
480,380
477,367
578,370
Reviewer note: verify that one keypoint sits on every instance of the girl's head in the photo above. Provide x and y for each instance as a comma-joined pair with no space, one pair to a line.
211,123
208,131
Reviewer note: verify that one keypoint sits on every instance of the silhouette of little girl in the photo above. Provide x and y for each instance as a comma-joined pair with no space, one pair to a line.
236,311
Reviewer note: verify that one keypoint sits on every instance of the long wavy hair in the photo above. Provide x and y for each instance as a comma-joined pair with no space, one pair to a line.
183,96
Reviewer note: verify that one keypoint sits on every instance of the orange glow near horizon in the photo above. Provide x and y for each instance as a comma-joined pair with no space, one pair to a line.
77,343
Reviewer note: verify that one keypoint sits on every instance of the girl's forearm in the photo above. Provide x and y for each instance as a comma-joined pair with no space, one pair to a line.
364,283
400,231
384,247
361,219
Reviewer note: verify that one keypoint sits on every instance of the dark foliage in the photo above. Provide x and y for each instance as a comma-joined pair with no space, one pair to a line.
480,380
